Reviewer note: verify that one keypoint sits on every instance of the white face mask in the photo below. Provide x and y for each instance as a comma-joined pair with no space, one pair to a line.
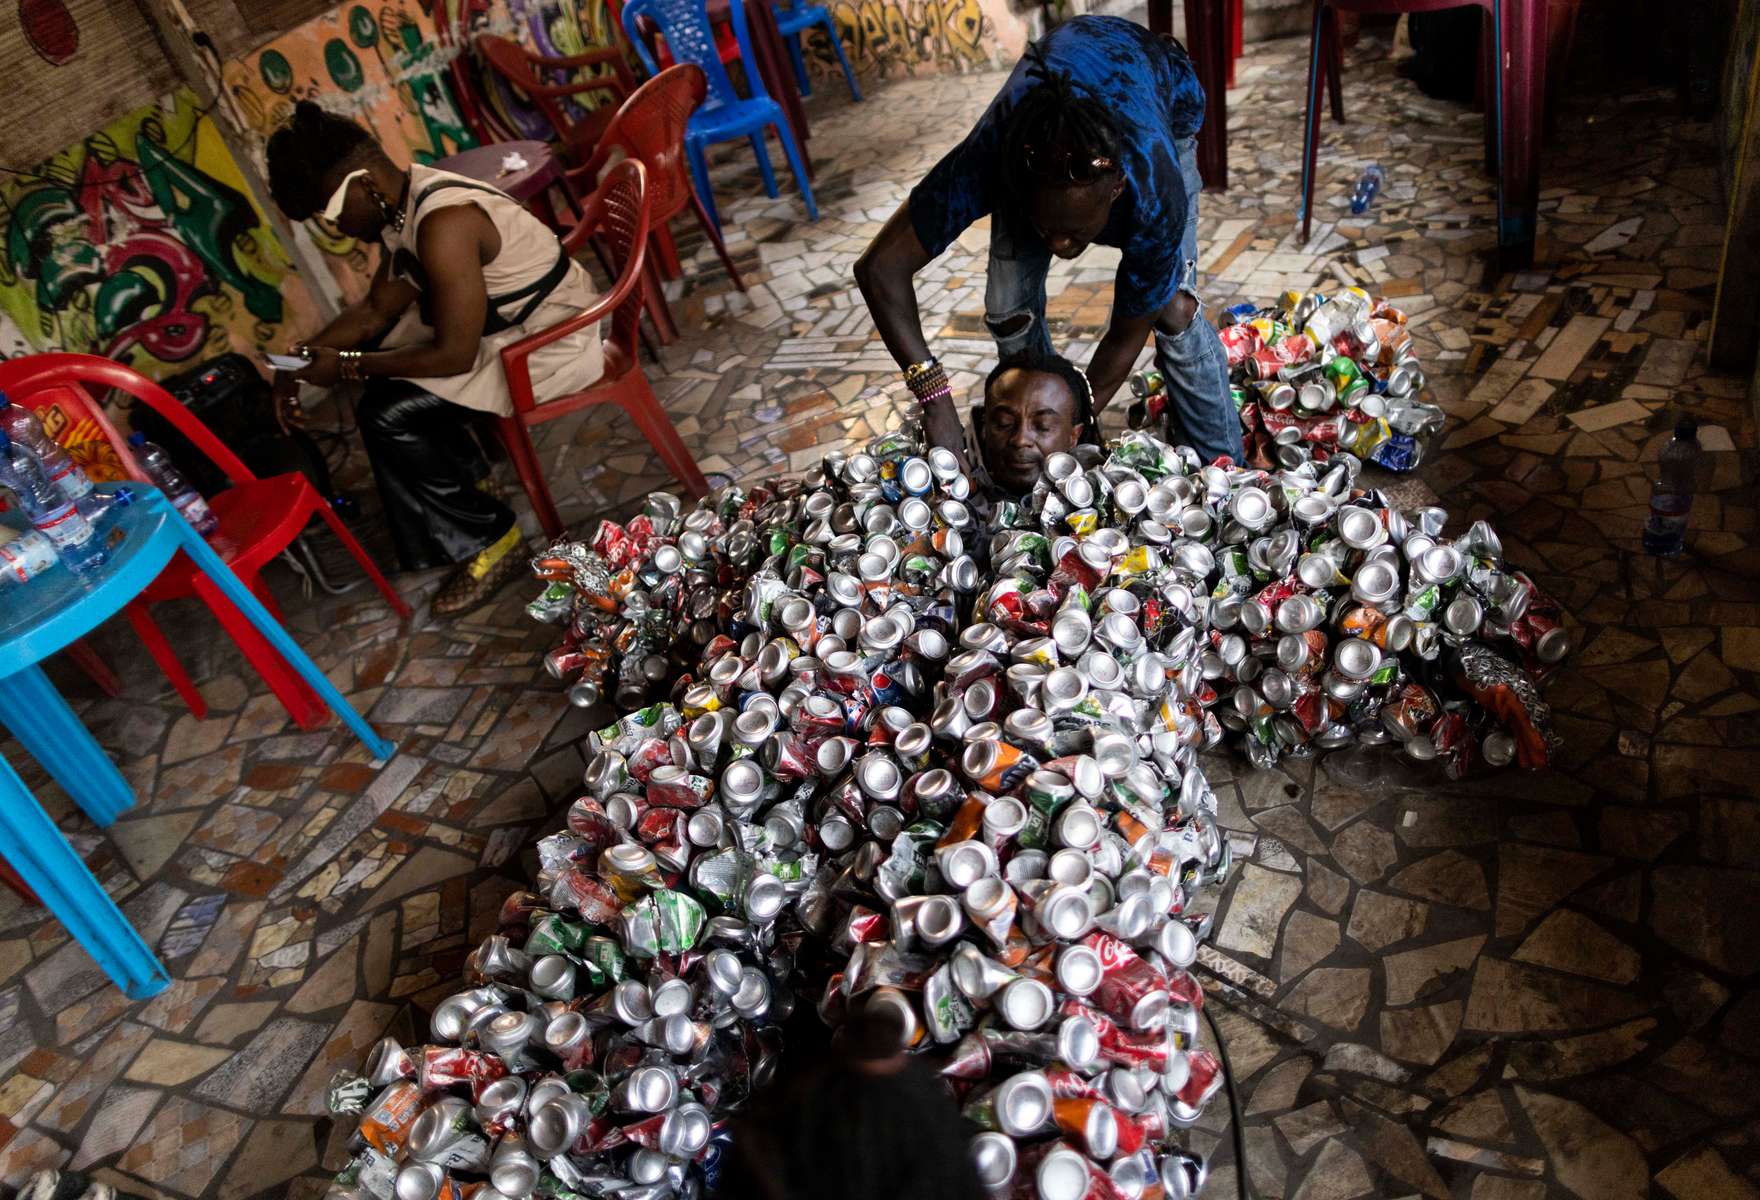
339,197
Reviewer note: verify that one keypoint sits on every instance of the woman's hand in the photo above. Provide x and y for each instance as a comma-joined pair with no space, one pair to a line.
325,369
289,414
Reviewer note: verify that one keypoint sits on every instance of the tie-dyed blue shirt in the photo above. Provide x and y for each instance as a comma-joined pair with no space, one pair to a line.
1147,84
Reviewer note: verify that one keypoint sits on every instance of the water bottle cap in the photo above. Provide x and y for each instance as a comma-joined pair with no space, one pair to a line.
137,438
5,400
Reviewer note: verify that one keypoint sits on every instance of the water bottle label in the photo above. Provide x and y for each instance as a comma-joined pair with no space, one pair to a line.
193,508
27,557
73,482
67,527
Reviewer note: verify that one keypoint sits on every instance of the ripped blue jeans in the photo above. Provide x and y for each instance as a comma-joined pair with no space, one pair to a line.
1192,361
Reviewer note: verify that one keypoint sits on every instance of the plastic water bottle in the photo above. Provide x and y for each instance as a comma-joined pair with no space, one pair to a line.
24,556
21,425
1371,181
160,469
53,514
1671,494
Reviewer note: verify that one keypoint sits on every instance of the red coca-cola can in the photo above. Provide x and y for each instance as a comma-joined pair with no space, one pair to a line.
446,1066
1079,570
1239,341
790,756
1263,363
818,717
675,787
591,896
1201,1084
866,925
612,543
1121,1047
1540,631
564,662
1309,704
1067,1085
1130,987
1136,1130
659,825
653,753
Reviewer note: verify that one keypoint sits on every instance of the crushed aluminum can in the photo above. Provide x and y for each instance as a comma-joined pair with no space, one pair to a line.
827,608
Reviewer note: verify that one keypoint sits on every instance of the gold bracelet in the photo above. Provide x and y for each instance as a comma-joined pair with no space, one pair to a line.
916,369
927,381
349,364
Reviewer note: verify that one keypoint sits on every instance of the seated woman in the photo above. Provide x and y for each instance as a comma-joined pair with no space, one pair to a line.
463,270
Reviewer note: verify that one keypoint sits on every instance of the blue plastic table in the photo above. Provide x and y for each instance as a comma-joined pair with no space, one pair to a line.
47,615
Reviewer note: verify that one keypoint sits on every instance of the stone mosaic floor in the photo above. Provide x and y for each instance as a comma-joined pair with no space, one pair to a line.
1505,989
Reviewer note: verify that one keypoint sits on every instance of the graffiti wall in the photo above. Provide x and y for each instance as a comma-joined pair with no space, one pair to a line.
885,38
382,65
142,243
391,67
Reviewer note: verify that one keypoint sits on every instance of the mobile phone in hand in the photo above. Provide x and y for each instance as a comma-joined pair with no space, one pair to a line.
289,362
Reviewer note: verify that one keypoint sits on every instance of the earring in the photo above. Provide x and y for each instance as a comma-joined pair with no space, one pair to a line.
389,215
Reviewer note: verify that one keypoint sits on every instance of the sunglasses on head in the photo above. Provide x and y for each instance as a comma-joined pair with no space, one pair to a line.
1066,166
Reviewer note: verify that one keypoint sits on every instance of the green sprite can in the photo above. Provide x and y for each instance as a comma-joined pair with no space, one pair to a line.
550,934
1422,603
662,922
604,961
1347,378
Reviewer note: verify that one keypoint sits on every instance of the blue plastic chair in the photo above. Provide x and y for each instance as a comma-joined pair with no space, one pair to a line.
46,615
724,115
794,19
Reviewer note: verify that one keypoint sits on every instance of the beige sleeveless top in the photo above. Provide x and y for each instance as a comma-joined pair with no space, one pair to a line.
528,252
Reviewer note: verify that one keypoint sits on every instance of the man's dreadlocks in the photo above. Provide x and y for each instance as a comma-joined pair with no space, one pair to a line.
1053,115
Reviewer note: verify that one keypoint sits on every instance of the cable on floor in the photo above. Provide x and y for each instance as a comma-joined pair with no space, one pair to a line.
1234,1108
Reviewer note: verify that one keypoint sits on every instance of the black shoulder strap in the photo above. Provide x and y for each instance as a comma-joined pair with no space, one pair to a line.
440,185
533,294
406,264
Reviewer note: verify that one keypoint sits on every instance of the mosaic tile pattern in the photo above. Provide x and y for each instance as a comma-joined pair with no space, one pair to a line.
1503,989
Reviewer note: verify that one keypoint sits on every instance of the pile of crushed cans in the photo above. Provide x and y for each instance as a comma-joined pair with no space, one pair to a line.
861,769
1315,375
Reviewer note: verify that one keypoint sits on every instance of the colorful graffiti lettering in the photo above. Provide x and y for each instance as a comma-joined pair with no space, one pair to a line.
142,244
392,68
887,34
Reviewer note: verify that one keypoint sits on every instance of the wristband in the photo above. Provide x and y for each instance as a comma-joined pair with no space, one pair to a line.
349,364
928,381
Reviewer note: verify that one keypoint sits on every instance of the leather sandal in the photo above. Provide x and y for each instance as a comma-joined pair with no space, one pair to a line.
462,592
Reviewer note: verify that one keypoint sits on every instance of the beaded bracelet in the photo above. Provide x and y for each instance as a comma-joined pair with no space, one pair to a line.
928,381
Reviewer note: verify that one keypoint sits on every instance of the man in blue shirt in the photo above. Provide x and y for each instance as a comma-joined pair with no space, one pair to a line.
1090,140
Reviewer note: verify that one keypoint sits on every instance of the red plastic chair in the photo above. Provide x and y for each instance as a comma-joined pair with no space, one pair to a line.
617,216
258,519
650,128
1326,62
524,70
